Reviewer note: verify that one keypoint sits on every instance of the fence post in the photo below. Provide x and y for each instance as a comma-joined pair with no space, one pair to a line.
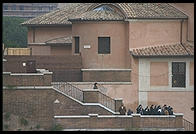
179,120
118,103
136,120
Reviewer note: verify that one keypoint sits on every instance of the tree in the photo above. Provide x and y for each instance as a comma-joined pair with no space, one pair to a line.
14,35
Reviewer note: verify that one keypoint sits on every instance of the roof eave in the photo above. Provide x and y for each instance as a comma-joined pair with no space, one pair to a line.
158,18
162,56
36,25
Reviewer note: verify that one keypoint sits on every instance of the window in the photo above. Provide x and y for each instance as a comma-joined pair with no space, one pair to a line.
178,74
103,45
21,7
5,7
14,7
77,40
104,7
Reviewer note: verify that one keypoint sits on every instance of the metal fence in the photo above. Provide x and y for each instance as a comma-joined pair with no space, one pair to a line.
188,126
107,101
69,90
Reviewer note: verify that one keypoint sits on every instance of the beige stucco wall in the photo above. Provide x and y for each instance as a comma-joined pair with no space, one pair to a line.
180,101
159,73
40,50
192,73
156,32
89,33
127,91
188,9
61,50
43,34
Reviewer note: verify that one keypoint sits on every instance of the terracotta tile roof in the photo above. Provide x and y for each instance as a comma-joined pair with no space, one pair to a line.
131,10
164,50
60,40
151,10
98,15
59,16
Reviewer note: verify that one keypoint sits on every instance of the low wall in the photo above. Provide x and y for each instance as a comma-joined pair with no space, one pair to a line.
35,104
95,121
106,75
27,79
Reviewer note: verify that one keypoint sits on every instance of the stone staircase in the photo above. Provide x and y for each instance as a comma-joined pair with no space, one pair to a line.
88,96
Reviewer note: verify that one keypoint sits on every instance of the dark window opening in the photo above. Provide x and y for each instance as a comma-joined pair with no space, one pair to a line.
33,35
178,74
5,7
21,7
14,7
103,45
77,40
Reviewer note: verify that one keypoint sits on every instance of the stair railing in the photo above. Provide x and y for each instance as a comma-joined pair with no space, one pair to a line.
69,90
188,126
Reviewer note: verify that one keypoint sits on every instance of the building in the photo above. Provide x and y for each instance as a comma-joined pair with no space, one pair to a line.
139,51
27,10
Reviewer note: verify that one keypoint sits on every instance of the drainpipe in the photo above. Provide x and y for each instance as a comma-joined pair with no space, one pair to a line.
181,22
181,31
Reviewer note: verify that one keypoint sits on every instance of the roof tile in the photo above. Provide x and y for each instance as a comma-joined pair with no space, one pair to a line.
165,50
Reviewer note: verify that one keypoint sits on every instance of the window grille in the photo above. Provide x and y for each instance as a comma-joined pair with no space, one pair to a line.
178,74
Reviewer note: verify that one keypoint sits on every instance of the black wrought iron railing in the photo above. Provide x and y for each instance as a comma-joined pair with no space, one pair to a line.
188,126
69,90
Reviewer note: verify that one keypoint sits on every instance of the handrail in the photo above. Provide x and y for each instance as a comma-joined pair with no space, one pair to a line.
107,101
187,125
102,88
69,90
77,93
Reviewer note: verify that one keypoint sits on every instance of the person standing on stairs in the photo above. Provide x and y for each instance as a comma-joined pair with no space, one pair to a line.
95,86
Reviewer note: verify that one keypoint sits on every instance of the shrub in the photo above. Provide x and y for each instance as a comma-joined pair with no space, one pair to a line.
7,116
23,122
6,126
57,127
37,126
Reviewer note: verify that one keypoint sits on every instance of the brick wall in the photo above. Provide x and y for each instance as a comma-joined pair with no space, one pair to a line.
64,68
113,122
27,79
106,76
36,105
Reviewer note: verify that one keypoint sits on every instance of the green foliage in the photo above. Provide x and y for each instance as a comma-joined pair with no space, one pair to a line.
57,127
23,121
37,126
6,126
7,116
10,87
14,35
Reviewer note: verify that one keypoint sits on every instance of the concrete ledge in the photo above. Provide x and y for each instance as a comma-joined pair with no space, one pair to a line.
104,83
106,70
29,87
92,90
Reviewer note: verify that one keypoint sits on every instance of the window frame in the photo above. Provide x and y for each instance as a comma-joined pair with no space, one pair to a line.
104,51
177,75
76,51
